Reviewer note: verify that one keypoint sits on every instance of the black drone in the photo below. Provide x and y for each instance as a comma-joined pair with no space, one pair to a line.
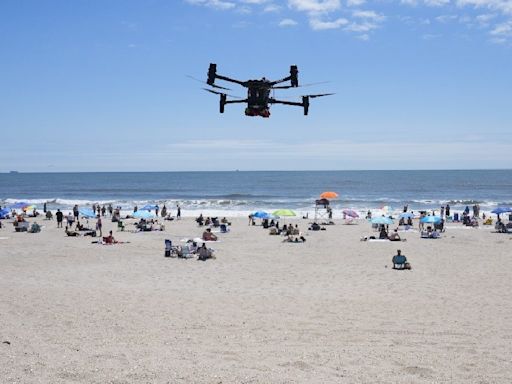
258,92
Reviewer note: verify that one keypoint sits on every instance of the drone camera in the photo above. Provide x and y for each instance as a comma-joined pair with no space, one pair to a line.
212,73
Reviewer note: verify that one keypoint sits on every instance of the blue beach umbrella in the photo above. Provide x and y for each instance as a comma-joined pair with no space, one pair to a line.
3,213
88,213
19,205
501,210
430,219
261,215
143,215
382,220
148,207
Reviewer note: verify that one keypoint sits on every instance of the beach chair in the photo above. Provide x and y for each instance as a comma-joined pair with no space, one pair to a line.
120,226
170,251
399,261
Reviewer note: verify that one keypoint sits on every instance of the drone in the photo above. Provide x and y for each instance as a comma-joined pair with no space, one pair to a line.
259,96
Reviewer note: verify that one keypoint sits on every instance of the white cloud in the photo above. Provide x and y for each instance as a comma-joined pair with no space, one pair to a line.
446,18
368,15
436,3
272,8
287,23
355,3
217,4
504,29
318,25
361,27
315,6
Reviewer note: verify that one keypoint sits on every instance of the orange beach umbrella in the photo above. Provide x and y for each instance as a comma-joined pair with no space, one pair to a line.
328,195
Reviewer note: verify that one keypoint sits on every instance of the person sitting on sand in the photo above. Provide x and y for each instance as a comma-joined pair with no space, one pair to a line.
400,261
394,236
71,233
209,236
383,234
109,239
204,253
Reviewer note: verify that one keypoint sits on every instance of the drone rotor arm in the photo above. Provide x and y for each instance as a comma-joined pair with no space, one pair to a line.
225,78
236,101
296,103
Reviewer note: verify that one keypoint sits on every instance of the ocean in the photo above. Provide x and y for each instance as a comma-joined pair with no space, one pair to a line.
238,193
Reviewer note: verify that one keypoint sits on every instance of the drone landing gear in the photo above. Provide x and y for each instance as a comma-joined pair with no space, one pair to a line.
223,97
305,104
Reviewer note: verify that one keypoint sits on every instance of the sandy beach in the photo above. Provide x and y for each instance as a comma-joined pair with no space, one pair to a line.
331,310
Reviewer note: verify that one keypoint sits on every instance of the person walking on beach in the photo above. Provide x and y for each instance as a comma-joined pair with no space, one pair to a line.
442,212
447,210
103,211
156,211
178,214
110,210
44,207
75,212
164,211
99,225
60,218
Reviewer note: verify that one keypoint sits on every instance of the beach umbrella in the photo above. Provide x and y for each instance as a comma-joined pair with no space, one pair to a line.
143,215
148,207
261,215
382,220
406,215
430,219
87,213
501,210
350,213
3,213
328,195
29,208
283,213
19,205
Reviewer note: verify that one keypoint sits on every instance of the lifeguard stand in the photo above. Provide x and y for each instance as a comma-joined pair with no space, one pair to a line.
322,210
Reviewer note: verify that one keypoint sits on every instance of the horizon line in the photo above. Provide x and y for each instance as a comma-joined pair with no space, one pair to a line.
267,170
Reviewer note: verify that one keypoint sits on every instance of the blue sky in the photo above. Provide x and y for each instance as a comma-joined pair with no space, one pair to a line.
102,86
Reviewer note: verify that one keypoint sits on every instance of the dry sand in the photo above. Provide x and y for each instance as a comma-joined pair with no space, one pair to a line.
328,311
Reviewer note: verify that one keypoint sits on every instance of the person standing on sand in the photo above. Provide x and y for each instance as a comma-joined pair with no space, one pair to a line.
156,211
164,211
103,211
99,225
44,207
60,218
178,215
447,210
75,212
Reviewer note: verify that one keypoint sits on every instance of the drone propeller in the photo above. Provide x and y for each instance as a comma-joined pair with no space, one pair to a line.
300,86
211,85
319,95
220,93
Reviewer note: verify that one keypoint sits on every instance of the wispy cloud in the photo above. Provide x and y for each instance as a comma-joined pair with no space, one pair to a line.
489,16
318,25
287,23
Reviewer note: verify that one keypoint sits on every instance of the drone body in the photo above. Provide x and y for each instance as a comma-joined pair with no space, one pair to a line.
258,98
